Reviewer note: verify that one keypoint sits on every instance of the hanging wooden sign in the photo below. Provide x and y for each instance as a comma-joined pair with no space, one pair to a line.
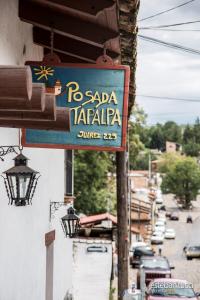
97,96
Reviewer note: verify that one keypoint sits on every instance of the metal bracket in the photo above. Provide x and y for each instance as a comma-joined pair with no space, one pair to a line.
4,150
54,206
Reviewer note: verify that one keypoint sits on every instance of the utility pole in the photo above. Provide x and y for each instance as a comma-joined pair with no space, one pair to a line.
122,222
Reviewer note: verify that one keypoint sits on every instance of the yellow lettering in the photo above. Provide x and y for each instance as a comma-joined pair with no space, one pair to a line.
110,113
74,109
90,113
116,118
103,119
113,98
82,117
73,92
80,134
89,94
96,118
104,98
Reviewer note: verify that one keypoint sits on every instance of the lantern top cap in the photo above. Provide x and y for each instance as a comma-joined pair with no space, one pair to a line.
20,157
20,170
70,215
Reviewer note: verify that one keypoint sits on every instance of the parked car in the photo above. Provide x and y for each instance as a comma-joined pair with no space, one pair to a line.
168,214
170,233
138,252
160,226
159,200
157,238
162,218
160,222
153,267
171,289
192,252
139,244
189,219
174,216
162,207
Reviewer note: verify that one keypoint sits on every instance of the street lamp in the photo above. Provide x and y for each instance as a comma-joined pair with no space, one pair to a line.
20,182
70,223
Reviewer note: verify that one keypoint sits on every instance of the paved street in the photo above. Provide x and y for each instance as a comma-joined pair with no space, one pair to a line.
185,233
173,249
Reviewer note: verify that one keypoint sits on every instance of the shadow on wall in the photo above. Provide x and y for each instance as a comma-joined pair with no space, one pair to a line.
68,296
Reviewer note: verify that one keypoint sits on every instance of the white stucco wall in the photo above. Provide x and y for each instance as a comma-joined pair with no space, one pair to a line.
91,270
22,229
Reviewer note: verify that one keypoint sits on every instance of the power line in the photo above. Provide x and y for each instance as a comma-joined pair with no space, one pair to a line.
170,25
170,45
165,11
169,98
172,30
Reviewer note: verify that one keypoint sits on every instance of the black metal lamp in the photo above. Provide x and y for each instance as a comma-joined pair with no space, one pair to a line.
70,223
20,182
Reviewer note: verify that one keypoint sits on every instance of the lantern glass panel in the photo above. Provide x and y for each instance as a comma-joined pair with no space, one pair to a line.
23,185
68,227
12,180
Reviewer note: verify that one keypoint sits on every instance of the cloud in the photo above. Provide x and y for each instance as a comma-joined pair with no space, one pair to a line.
163,71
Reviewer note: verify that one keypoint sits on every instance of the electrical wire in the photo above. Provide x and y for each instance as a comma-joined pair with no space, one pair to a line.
170,25
165,11
170,45
172,30
169,98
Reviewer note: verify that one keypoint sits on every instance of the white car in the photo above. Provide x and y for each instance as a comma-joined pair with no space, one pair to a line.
157,238
158,193
170,233
140,244
160,226
160,223
159,200
162,219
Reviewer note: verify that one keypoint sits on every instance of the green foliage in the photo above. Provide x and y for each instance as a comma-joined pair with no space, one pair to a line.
183,180
93,195
188,134
191,149
159,134
172,132
157,139
168,160
141,161
137,132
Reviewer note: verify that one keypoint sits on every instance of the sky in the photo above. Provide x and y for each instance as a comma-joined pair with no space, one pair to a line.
166,72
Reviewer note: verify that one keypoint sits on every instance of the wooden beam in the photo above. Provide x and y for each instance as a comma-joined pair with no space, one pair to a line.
64,24
92,7
62,122
69,46
37,102
15,83
49,112
66,58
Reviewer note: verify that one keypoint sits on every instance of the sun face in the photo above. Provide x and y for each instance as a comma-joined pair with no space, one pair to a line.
43,71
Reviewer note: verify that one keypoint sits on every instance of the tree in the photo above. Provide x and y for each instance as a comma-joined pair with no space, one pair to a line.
157,140
172,132
167,161
191,149
93,195
188,134
196,130
183,180
136,131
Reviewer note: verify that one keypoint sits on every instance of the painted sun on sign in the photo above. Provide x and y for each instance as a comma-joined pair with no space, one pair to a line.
43,71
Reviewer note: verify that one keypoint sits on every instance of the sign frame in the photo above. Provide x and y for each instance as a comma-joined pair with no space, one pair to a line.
124,116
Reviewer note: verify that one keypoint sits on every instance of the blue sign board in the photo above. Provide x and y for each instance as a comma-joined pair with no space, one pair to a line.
97,97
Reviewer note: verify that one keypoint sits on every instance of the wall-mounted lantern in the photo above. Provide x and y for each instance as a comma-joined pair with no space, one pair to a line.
70,223
20,182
